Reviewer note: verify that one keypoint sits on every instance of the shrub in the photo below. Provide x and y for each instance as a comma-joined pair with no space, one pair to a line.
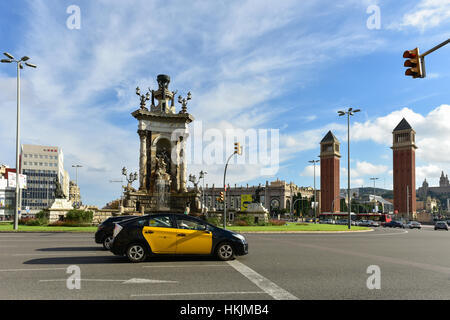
23,221
43,215
214,221
79,216
250,220
275,222
68,224
30,222
241,223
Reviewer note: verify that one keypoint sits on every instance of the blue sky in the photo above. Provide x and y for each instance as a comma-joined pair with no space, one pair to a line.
286,65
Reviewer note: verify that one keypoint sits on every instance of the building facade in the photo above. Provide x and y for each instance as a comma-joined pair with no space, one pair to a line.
42,165
74,194
329,173
7,196
404,165
274,196
444,188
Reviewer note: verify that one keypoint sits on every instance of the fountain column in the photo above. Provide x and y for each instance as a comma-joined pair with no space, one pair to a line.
143,160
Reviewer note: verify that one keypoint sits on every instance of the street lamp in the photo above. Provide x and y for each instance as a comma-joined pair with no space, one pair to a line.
349,112
202,176
374,179
193,179
315,198
19,66
76,166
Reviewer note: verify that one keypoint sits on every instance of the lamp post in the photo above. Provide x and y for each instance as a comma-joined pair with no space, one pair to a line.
315,198
193,179
349,112
202,176
374,179
19,66
76,166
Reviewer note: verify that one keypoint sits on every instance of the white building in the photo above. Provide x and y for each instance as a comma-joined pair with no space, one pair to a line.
42,164
7,196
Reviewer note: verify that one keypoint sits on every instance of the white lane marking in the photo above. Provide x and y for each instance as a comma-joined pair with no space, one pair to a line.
189,265
48,254
389,234
129,281
42,269
265,284
195,293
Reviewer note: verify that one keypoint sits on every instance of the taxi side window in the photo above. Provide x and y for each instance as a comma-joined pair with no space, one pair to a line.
189,224
161,222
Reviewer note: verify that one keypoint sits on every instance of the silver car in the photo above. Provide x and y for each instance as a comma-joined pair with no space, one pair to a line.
414,225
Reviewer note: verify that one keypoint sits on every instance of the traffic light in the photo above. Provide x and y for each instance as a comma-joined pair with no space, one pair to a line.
237,148
220,198
414,63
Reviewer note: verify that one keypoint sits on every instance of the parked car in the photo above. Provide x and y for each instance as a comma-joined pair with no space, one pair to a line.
373,224
363,223
104,234
394,224
174,234
441,225
414,225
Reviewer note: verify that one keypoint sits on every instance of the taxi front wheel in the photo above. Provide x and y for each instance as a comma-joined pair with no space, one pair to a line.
136,253
225,251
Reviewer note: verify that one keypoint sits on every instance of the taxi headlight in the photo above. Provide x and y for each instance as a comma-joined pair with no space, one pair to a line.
240,237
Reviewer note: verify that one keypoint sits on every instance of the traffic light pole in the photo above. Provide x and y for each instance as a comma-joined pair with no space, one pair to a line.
225,192
435,48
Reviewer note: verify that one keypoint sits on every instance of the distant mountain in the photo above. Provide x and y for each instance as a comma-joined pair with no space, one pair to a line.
385,193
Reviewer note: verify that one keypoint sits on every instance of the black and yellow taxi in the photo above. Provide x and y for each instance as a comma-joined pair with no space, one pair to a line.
174,234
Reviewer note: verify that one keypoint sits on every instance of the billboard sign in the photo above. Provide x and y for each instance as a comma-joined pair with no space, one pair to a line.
12,180
246,199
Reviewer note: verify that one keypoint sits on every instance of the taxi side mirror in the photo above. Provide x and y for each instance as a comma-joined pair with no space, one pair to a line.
201,227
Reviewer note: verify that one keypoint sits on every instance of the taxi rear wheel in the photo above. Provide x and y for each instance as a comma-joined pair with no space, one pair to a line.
225,251
136,253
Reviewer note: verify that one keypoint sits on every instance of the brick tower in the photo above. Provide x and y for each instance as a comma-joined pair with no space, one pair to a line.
404,155
329,173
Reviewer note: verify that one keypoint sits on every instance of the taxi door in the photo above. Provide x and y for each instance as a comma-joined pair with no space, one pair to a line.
160,234
191,237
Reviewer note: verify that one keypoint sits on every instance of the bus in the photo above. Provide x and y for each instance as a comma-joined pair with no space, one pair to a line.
378,217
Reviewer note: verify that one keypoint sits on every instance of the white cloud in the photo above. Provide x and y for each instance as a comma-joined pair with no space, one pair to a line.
309,171
427,14
432,132
364,168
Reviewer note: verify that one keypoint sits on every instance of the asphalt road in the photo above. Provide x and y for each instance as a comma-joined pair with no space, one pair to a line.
413,264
